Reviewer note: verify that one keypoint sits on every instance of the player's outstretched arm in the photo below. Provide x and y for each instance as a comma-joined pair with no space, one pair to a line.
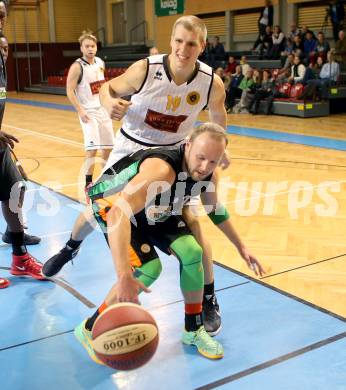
220,217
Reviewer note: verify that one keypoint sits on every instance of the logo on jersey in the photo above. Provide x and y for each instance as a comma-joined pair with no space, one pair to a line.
158,75
181,224
173,102
193,98
158,214
145,248
95,86
164,122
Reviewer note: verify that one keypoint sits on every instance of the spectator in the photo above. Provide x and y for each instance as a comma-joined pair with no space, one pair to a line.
313,70
289,62
248,93
225,78
217,52
234,91
3,47
244,65
284,76
328,76
297,71
205,56
317,67
340,48
232,64
322,46
310,44
278,38
153,51
266,89
294,31
304,30
266,17
288,49
297,44
330,70
245,85
264,42
337,17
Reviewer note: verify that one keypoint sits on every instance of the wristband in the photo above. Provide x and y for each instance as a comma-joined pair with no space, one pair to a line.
219,215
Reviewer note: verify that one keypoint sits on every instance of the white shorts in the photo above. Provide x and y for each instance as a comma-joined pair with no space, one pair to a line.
122,147
98,131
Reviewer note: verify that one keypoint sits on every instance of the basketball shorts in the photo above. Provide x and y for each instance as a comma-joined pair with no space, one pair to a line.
144,236
123,146
10,178
98,131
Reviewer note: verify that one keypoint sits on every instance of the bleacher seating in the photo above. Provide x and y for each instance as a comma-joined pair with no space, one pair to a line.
300,108
296,91
293,106
60,81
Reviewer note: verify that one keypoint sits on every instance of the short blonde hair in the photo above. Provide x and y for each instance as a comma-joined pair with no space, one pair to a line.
192,23
214,130
87,34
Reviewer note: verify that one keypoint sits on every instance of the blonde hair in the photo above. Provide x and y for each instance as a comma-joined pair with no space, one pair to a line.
192,23
87,34
214,130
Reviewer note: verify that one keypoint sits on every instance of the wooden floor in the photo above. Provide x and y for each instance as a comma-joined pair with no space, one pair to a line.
304,251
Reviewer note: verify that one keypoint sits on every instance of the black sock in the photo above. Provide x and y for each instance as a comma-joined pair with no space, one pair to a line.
88,179
209,291
91,320
73,244
193,322
18,247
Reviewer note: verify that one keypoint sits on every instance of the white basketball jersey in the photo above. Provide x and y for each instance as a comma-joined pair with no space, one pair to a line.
162,112
87,90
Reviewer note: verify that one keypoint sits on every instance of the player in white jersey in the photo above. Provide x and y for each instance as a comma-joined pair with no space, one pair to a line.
161,112
168,92
84,80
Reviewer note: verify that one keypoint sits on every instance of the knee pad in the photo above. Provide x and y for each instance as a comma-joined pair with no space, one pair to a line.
149,272
189,253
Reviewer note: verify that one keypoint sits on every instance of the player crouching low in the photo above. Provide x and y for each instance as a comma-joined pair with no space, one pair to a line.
137,201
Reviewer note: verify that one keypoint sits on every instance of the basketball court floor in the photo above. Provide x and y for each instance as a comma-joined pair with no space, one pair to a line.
286,192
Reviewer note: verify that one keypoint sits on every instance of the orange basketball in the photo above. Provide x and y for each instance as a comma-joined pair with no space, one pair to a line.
125,336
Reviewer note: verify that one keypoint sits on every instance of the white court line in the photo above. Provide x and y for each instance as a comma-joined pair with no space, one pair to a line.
55,188
265,195
230,185
69,185
53,137
55,234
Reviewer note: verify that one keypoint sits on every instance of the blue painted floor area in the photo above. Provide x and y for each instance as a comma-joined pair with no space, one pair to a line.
35,103
320,369
259,325
308,140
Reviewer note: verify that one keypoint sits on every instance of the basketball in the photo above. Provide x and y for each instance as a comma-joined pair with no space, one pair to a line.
125,336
